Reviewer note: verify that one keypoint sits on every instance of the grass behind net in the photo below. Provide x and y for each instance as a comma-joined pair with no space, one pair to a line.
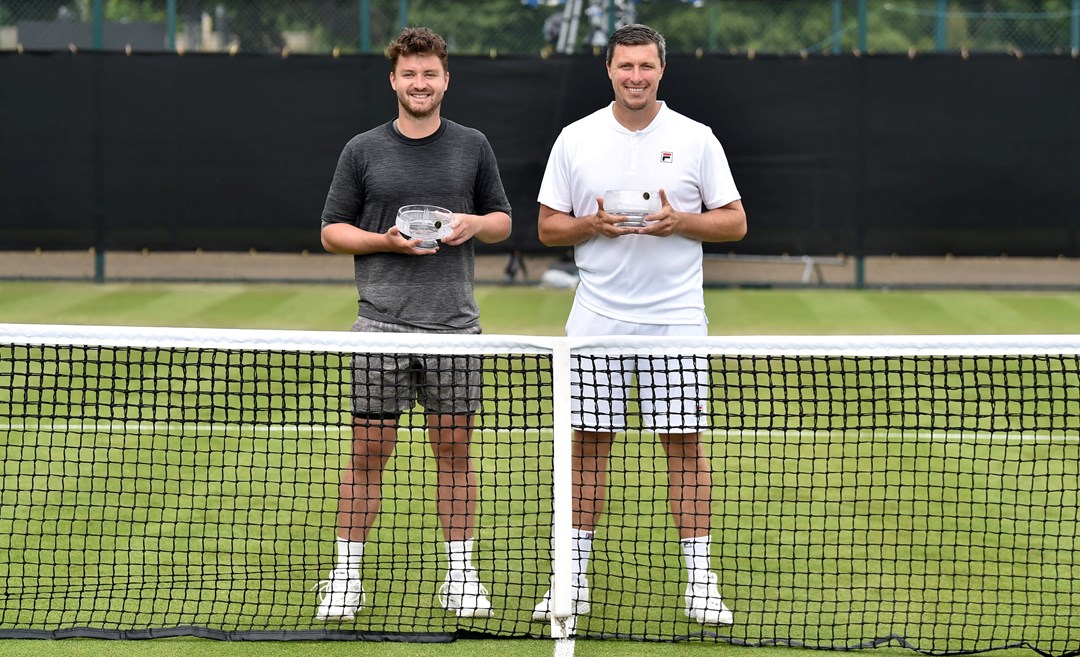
186,488
933,499
826,542
179,490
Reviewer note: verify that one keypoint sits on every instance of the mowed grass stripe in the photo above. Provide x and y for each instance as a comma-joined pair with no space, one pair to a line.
535,311
234,532
121,427
761,483
814,536
312,307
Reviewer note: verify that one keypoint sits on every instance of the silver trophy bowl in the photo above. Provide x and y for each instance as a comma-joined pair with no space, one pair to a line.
634,204
429,223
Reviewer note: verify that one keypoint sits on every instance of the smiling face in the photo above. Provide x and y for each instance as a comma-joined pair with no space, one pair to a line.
420,82
635,72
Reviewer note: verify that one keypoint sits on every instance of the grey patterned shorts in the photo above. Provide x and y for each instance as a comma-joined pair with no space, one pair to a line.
387,385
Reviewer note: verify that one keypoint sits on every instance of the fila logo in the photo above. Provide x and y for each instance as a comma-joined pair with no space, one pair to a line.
665,157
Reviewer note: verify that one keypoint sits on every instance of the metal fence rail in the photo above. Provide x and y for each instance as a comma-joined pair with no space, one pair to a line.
493,27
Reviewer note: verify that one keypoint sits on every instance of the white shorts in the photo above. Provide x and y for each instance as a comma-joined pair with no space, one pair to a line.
673,391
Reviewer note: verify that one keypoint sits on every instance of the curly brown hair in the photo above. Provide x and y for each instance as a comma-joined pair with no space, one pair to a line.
417,41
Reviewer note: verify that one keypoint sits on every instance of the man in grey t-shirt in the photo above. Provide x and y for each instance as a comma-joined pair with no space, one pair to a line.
419,158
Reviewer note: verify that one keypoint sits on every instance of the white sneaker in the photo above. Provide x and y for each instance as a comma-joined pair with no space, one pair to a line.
579,594
341,597
463,594
704,605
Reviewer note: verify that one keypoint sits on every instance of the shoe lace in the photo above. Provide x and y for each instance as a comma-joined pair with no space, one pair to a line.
705,590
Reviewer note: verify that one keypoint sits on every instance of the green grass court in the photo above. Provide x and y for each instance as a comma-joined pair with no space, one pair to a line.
808,499
215,519
526,310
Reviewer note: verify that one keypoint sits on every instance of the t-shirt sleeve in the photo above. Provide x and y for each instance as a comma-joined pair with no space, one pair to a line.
343,200
555,185
490,194
718,185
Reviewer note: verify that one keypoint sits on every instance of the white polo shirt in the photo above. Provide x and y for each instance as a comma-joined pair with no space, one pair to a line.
639,278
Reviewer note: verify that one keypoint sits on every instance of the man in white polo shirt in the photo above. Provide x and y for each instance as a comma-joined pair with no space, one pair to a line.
641,280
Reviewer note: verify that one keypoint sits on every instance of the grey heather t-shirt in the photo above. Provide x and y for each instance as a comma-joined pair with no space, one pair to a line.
381,170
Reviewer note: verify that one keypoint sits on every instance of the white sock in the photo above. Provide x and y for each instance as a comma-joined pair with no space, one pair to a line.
459,555
696,552
582,549
349,556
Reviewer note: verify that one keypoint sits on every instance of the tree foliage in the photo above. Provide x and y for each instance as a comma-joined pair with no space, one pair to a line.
513,26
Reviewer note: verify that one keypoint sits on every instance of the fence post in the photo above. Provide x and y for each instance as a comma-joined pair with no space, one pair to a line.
1076,27
365,26
837,25
402,14
714,25
170,25
97,23
862,26
97,178
99,265
940,19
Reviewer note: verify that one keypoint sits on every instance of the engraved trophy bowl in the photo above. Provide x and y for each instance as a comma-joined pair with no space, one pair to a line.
426,222
635,205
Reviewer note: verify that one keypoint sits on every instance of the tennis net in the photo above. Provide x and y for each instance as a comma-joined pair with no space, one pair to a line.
865,490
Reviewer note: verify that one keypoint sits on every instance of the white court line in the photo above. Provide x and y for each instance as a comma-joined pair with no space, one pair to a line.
203,428
563,631
920,434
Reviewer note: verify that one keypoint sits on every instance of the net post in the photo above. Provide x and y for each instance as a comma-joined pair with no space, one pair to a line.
562,491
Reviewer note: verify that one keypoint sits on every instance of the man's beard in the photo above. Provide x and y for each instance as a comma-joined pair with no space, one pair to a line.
635,104
403,101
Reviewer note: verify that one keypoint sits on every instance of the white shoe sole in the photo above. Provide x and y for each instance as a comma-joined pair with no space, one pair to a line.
723,619
335,617
580,609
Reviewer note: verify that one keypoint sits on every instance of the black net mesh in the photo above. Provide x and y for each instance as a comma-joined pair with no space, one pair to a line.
925,500
151,488
853,500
